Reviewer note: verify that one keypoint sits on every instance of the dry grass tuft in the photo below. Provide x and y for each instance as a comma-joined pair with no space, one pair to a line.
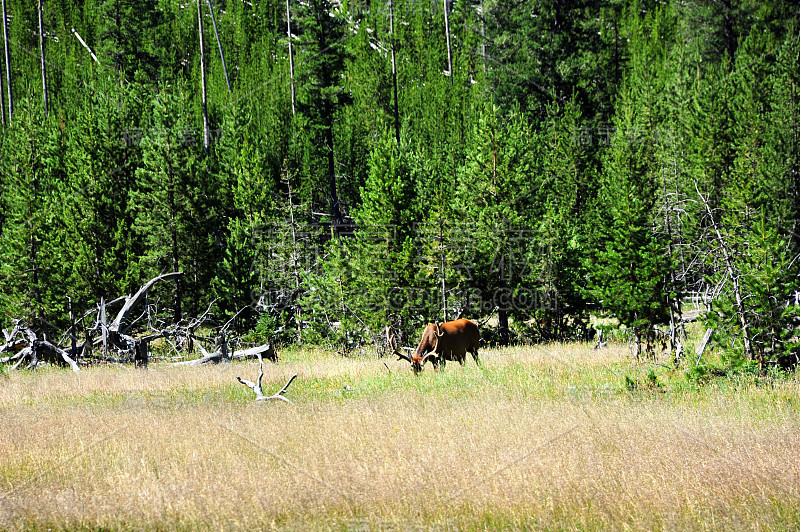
539,438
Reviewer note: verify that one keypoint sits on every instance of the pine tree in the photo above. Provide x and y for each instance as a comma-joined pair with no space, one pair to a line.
630,267
559,199
29,269
783,124
493,198
173,202
94,200
754,224
384,240
546,53
247,200
321,95
130,30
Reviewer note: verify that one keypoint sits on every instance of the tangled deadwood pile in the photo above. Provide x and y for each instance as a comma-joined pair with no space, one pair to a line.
104,341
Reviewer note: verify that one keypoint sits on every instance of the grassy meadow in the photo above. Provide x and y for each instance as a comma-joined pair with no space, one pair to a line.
549,437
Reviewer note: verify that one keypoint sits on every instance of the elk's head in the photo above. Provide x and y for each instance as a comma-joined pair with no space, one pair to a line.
426,349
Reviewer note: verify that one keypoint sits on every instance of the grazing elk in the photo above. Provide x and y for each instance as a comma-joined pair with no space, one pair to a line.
451,340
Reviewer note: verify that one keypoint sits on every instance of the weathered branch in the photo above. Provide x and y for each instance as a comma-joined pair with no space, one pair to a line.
227,323
130,303
259,391
53,353
199,321
702,347
34,349
200,346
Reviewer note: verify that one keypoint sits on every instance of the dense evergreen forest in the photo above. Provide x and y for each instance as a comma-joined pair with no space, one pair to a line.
399,163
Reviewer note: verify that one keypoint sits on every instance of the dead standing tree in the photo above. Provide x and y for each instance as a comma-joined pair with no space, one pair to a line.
115,335
733,274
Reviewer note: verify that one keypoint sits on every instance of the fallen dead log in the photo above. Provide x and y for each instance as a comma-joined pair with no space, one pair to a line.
220,355
34,350
44,350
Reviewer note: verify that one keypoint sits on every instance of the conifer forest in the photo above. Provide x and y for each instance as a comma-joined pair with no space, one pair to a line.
321,169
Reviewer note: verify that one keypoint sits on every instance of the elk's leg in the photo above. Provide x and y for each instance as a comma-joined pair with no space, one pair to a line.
475,356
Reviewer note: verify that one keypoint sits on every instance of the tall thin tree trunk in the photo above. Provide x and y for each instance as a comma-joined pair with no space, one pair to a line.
483,38
177,293
291,57
297,309
203,76
394,77
2,98
447,33
336,212
8,64
219,44
44,70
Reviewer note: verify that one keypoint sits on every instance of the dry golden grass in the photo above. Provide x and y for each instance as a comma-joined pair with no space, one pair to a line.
539,438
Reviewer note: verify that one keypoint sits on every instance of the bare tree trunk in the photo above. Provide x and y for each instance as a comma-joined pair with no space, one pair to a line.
8,64
394,77
336,212
447,34
219,44
2,99
203,76
41,53
83,43
483,37
703,344
291,58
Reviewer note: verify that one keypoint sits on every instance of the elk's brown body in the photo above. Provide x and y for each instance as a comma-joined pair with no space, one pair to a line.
451,340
